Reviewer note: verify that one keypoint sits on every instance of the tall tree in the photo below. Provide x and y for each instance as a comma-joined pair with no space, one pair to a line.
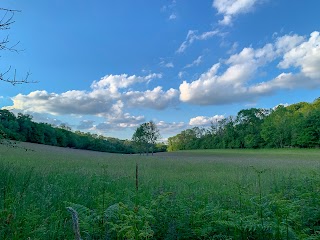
152,133
276,129
248,126
146,136
139,138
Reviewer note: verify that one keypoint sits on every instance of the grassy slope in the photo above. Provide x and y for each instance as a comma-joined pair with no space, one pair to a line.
37,185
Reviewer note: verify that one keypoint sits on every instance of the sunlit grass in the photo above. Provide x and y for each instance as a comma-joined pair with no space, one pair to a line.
208,191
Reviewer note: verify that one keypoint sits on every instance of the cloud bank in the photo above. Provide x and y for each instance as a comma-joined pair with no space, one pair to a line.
299,61
109,97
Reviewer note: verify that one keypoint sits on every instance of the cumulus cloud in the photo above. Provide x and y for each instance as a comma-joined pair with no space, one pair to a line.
156,98
231,8
305,56
119,122
205,121
234,83
112,123
115,82
128,119
70,102
193,36
107,97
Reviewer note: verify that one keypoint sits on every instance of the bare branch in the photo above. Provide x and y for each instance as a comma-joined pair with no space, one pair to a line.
9,10
6,20
5,23
14,81
3,45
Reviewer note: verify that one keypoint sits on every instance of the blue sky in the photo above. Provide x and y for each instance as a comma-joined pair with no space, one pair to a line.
108,66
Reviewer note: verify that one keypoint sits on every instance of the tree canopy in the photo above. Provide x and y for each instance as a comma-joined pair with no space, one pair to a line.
23,128
297,125
145,137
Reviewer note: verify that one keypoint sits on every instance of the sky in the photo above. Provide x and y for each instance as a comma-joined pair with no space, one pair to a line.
106,66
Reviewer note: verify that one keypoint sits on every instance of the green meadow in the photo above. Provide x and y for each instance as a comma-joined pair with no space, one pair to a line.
202,194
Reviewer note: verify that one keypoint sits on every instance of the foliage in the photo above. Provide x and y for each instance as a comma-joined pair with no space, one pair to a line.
146,136
296,125
22,128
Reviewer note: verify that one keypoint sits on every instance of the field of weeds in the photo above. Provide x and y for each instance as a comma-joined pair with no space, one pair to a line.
208,194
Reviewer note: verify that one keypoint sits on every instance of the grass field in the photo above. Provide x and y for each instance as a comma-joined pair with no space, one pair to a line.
205,194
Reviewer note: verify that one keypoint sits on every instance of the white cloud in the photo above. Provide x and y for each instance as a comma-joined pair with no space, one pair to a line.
107,97
115,82
70,102
281,104
286,43
305,56
119,122
212,88
171,128
112,123
166,64
231,8
127,119
205,121
169,65
195,62
233,85
192,36
156,98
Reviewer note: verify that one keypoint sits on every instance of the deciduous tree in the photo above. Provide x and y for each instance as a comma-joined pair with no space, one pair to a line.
146,136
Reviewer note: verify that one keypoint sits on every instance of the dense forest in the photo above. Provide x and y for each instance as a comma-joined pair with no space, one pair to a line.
296,125
22,128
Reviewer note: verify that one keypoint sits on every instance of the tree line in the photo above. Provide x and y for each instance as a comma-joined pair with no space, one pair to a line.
22,128
296,125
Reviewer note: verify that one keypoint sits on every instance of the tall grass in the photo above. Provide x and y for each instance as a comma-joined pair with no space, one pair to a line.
217,194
